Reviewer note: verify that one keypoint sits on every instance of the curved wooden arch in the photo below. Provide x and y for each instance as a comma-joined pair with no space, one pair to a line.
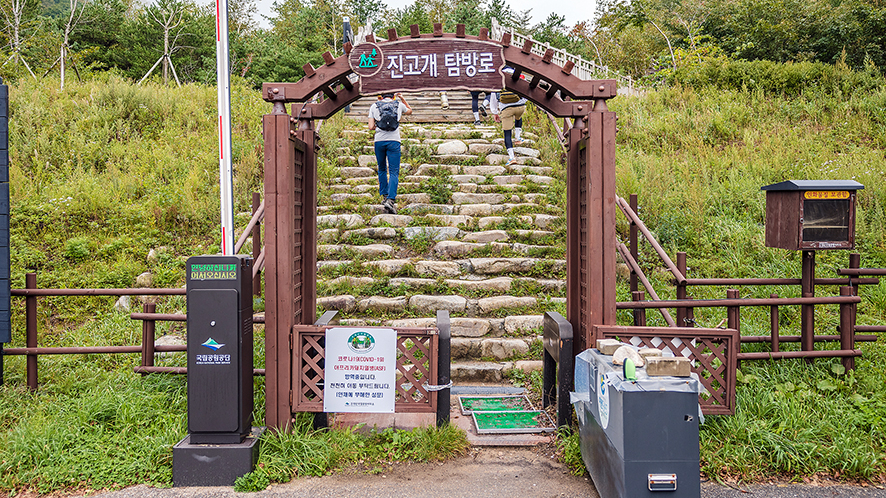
545,85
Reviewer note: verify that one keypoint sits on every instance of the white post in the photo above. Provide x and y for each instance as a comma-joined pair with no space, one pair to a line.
225,169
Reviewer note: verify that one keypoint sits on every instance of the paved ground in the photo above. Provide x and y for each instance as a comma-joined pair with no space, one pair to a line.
489,472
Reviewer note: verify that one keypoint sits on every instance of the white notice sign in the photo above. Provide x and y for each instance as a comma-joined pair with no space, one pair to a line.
361,370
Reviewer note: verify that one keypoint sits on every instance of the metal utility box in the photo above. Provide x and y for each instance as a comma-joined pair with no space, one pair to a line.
219,293
811,214
638,438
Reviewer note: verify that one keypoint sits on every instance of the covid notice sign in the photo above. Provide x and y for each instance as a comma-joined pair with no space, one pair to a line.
361,370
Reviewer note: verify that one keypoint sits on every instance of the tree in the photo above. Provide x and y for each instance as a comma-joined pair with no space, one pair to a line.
74,17
19,24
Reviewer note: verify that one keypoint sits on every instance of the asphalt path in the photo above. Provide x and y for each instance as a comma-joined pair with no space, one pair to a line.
489,472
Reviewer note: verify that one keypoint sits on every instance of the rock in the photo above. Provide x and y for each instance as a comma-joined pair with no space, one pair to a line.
529,366
486,236
153,257
423,208
463,198
499,284
349,280
523,323
388,266
489,266
485,170
649,352
344,303
418,323
452,147
442,268
376,233
622,272
677,366
420,197
478,209
356,172
373,250
478,372
468,178
411,282
497,159
484,148
544,220
490,304
452,248
379,303
328,235
608,346
433,169
146,279
627,352
454,158
449,219
366,160
464,348
349,220
340,198
525,151
430,304
122,304
437,233
469,327
507,179
502,349
489,221
547,180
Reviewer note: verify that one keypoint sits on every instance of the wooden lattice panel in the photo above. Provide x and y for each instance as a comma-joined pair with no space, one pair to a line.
417,351
712,352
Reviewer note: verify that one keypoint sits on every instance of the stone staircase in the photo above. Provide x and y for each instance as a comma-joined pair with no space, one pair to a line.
473,236
426,108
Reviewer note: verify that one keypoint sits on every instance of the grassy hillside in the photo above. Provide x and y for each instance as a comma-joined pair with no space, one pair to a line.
106,171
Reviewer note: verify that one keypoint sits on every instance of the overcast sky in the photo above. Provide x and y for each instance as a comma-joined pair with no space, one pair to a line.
574,11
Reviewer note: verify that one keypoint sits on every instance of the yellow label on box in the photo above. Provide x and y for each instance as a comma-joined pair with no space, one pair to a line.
826,194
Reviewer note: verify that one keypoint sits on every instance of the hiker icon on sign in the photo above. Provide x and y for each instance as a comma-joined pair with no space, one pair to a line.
368,60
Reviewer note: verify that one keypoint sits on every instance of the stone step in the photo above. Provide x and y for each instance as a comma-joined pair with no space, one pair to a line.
426,304
467,372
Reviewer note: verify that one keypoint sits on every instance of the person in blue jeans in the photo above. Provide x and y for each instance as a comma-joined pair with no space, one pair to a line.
384,119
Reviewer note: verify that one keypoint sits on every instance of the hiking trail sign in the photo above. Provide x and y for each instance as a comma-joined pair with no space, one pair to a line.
428,64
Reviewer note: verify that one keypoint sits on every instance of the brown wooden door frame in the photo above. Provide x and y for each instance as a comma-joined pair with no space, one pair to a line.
290,144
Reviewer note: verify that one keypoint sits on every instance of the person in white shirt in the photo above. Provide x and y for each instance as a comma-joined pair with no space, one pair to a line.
384,119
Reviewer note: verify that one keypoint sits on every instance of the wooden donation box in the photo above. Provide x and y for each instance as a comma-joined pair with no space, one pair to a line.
811,214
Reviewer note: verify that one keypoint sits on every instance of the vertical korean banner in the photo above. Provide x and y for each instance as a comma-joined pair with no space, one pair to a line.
225,168
361,370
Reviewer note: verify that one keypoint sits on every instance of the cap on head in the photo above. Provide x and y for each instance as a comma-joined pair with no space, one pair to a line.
387,95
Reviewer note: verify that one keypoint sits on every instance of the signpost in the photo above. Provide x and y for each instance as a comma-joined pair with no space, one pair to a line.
361,370
428,64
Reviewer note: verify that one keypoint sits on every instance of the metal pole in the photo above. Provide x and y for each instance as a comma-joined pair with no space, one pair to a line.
226,171
256,244
773,325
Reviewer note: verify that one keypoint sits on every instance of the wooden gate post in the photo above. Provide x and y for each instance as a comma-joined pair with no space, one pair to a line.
279,152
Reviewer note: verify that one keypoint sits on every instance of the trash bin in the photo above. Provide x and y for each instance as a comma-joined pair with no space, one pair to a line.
638,438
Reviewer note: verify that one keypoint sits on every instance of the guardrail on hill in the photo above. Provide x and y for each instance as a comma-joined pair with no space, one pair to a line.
583,69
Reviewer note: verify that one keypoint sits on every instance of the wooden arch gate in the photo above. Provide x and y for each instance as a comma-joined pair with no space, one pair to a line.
432,61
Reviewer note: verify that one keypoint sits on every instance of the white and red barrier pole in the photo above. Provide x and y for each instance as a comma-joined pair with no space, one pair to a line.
225,167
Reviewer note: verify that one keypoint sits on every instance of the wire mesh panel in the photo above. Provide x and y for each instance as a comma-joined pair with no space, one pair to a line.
711,351
417,352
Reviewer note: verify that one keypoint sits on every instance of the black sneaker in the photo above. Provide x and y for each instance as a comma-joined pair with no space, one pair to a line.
389,206
478,122
483,110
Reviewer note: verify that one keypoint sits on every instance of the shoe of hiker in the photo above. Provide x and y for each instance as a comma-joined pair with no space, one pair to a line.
478,122
384,120
508,108
483,110
512,162
389,206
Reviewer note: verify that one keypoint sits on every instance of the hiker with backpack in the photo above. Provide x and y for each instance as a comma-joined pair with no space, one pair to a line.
508,108
384,119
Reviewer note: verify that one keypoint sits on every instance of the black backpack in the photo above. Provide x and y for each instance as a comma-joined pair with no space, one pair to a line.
387,112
